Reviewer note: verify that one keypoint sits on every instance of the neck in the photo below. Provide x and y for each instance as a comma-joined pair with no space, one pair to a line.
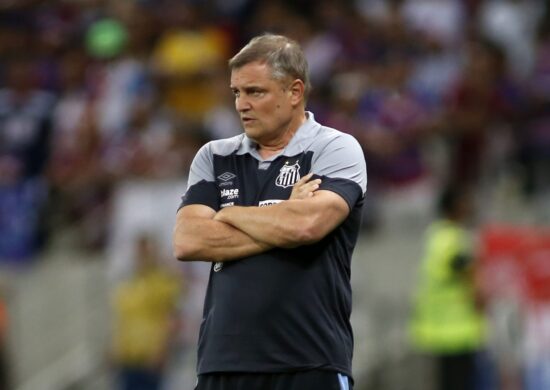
272,147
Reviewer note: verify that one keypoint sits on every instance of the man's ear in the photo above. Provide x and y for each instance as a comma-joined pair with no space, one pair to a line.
296,91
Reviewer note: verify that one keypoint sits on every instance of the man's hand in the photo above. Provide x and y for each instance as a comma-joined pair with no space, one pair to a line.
304,188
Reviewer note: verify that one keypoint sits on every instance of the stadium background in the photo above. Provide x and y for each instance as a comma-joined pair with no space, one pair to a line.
115,97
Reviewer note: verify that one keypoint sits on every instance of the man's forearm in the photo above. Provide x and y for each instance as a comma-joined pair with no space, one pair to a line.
200,239
291,223
281,225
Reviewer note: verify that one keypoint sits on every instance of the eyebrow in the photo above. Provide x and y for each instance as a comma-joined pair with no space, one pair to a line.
248,89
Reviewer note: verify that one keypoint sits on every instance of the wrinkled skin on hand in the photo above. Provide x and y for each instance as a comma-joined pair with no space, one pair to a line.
304,188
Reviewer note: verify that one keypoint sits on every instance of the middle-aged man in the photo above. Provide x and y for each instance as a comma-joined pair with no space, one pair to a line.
277,212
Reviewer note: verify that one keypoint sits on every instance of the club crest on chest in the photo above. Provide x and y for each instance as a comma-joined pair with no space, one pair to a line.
288,175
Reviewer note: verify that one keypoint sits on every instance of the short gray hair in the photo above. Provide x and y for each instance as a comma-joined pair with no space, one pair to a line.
282,54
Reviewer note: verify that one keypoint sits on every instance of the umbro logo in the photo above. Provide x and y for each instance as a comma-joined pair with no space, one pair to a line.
226,176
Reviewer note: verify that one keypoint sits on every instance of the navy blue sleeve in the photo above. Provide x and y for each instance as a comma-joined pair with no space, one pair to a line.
201,185
346,188
203,192
341,166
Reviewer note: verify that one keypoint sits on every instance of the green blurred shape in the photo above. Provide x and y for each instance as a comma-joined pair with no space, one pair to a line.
106,38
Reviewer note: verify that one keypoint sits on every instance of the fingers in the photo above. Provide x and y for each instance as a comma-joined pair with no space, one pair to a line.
311,186
304,179
305,187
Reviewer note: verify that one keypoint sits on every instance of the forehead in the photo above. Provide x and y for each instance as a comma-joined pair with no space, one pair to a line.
254,73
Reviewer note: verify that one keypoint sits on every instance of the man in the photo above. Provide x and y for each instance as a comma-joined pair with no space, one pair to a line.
447,321
277,210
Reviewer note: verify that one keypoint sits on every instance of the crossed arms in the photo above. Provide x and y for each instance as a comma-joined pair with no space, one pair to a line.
234,232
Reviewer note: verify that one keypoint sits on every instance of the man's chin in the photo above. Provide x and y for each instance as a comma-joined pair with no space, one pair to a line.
251,131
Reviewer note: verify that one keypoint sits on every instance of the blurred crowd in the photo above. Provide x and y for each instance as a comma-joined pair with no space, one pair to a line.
98,93
104,103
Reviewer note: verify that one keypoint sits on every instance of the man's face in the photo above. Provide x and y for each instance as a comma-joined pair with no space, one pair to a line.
263,103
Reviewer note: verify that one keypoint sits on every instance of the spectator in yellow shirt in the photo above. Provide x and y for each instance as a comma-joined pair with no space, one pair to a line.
144,308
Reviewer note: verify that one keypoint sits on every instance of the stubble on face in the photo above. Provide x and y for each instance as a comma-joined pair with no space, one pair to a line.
260,101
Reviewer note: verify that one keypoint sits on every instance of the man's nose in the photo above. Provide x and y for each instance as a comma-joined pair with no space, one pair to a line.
242,104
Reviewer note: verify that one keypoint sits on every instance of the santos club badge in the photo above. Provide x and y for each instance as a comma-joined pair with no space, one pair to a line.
288,175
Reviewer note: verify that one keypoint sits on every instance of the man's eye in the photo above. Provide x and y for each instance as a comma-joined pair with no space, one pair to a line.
257,93
236,93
